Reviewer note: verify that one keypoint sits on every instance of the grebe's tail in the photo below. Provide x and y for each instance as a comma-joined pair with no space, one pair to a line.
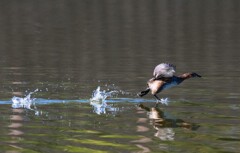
143,93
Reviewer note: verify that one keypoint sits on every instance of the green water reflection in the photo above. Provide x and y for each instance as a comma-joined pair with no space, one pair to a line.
74,127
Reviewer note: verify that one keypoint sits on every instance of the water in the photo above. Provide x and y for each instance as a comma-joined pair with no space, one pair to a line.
26,102
67,49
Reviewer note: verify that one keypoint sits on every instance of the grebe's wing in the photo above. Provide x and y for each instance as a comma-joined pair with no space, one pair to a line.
165,70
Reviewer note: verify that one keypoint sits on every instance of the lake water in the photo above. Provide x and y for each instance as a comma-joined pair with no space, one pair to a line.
55,54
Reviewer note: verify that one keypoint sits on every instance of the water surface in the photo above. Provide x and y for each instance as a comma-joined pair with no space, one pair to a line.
66,49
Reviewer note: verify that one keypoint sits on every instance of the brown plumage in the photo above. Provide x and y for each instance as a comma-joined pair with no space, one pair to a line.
164,79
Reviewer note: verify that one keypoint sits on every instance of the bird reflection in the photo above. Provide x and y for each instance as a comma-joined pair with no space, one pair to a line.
164,125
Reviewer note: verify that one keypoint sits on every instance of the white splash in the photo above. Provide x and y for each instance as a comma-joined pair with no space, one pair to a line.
164,101
98,101
99,95
26,102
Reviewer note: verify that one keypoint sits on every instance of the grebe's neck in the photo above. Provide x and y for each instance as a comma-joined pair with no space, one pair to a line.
189,75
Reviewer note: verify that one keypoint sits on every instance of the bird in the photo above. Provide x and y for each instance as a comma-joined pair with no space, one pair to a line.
164,78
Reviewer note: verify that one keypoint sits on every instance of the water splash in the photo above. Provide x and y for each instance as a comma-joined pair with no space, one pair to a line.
164,101
99,95
98,101
26,102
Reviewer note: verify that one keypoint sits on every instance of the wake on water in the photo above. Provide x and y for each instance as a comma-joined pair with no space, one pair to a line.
99,101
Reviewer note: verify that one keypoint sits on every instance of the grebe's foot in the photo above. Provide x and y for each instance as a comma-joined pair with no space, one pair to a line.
158,100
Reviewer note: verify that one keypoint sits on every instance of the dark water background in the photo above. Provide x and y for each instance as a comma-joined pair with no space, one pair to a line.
67,48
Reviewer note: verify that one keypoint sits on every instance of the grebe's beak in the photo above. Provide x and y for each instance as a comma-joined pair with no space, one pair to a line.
196,75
